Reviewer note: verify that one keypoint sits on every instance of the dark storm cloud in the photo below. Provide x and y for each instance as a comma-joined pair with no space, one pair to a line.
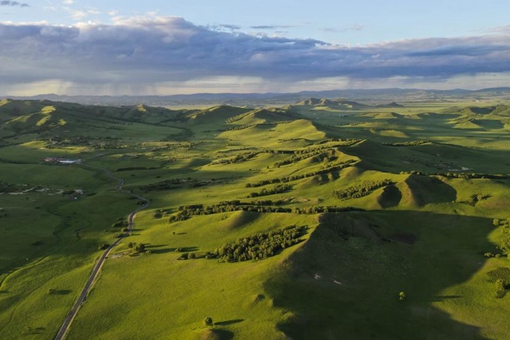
13,3
141,50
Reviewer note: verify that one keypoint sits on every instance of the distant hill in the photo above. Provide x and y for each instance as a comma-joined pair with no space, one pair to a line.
341,103
391,105
373,96
49,119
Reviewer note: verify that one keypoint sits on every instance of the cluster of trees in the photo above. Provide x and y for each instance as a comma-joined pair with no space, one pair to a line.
261,246
326,170
474,175
477,198
321,155
317,209
237,150
459,175
240,127
135,168
237,159
187,212
137,247
412,143
103,246
360,190
265,206
107,145
257,203
343,142
163,185
501,279
121,222
6,187
278,189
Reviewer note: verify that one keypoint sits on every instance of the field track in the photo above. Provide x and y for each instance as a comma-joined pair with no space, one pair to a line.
64,329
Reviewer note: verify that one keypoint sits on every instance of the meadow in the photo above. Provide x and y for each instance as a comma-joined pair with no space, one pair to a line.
403,207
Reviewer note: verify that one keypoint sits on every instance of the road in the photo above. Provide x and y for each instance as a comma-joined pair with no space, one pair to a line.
64,329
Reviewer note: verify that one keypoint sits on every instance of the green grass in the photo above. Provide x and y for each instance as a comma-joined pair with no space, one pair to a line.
343,282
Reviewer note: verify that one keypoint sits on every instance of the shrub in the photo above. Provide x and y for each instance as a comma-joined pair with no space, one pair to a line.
208,321
500,288
183,257
103,246
402,296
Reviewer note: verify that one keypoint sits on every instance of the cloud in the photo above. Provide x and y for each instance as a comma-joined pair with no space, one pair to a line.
13,3
81,14
357,28
224,27
68,2
500,29
140,53
271,27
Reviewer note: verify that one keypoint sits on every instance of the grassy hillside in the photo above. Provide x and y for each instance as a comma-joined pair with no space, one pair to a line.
301,222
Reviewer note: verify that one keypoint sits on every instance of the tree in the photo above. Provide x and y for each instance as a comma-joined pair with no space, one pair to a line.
140,248
402,296
500,288
208,321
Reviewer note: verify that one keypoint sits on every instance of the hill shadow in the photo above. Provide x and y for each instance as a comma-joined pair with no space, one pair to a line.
60,292
229,322
163,249
344,282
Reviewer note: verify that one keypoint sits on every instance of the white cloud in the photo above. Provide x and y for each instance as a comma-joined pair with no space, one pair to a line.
151,53
81,14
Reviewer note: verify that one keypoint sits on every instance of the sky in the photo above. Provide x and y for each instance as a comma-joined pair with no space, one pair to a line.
155,47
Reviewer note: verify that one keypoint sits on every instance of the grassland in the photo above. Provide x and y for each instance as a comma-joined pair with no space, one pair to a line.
422,185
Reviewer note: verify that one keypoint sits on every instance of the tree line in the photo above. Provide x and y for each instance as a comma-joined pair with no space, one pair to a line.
326,170
278,189
462,175
360,190
267,206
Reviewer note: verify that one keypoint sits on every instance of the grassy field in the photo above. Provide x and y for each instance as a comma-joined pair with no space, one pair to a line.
409,199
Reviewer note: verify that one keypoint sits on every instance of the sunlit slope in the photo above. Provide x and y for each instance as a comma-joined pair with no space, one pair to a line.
50,119
232,294
216,115
271,135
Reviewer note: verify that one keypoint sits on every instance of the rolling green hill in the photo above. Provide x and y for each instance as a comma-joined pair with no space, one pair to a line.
327,219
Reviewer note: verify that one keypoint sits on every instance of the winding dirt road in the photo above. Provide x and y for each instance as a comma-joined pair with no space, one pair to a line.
64,329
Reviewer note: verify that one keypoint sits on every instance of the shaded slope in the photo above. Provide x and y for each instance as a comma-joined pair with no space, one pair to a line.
418,191
344,282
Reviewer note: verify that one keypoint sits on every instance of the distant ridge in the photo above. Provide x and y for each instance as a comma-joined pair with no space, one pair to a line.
343,103
372,96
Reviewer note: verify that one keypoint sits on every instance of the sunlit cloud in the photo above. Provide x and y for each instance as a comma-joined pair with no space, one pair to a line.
159,53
